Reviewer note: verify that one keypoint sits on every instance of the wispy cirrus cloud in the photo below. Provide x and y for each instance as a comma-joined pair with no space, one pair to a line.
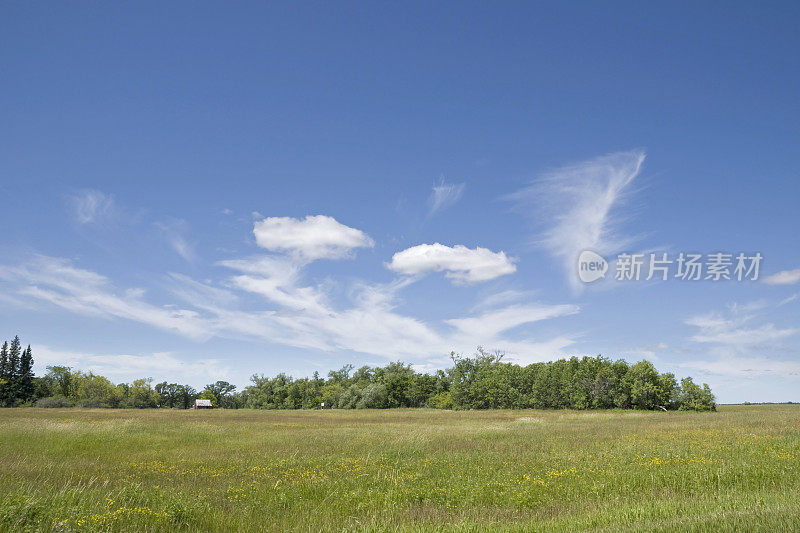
58,282
277,279
738,366
576,207
459,263
92,206
789,299
785,277
740,340
174,232
742,336
494,322
444,195
127,367
505,297
735,328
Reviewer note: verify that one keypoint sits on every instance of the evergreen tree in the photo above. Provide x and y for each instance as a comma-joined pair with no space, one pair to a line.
4,361
12,372
25,378
4,377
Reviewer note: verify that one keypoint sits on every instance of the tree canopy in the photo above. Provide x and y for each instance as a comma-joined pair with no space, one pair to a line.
481,381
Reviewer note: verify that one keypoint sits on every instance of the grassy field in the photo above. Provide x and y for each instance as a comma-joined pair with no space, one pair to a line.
160,470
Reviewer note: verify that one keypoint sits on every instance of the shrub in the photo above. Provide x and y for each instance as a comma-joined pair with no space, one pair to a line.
374,396
92,403
443,400
53,402
693,397
349,398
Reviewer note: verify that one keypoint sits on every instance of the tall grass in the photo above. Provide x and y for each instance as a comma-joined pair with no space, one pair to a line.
160,470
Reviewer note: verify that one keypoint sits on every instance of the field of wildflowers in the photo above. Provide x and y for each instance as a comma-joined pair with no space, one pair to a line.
404,470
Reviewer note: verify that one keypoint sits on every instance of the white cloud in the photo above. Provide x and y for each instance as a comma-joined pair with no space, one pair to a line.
738,367
460,264
276,278
738,344
577,207
303,316
785,277
503,298
745,336
290,311
200,295
314,237
125,367
733,331
92,206
756,305
490,324
173,231
444,195
56,281
294,314
709,321
527,352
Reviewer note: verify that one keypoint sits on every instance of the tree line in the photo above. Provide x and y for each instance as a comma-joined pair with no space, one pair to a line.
480,381
16,374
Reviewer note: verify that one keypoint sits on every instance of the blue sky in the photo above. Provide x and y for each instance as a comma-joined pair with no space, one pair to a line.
197,192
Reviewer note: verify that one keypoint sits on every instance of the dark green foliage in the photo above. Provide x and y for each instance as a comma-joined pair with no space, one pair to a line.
16,374
11,395
221,395
141,395
484,381
692,397
25,387
5,378
176,396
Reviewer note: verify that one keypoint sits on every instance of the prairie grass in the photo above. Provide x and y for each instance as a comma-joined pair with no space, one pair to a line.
400,470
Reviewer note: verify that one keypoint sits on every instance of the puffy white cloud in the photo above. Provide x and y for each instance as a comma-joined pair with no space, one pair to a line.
461,264
314,237
444,195
575,207
785,277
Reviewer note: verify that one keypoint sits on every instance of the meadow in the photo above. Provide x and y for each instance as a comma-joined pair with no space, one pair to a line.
400,469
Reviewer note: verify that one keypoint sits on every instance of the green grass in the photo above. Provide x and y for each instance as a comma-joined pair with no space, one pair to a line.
405,470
